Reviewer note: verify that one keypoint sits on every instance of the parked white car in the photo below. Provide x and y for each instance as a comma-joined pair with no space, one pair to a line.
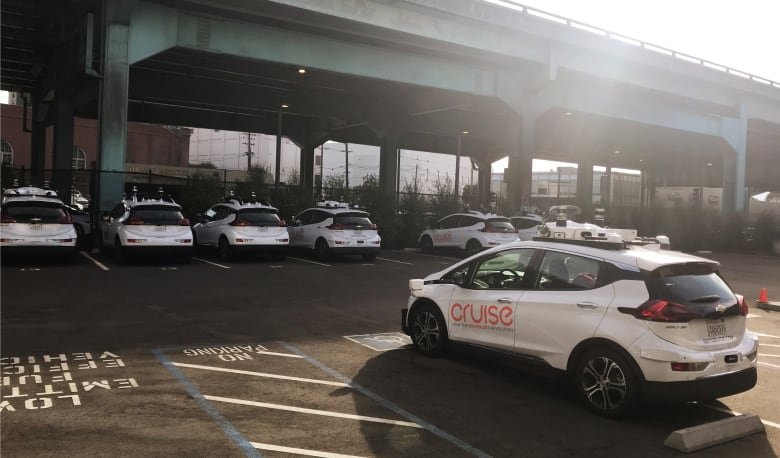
472,231
235,226
35,220
146,225
527,225
335,228
625,322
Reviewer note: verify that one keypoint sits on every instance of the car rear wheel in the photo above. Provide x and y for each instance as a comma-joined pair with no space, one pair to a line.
323,251
429,330
473,247
426,245
606,382
224,250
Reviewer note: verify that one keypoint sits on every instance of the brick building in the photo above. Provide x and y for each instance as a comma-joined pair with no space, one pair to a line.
146,143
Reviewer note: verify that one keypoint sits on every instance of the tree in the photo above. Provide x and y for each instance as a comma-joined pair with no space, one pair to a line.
444,201
201,192
333,187
257,179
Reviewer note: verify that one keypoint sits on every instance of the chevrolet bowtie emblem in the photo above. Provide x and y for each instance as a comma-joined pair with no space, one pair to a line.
720,308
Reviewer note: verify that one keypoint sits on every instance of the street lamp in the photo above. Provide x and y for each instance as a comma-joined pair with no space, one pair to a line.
457,164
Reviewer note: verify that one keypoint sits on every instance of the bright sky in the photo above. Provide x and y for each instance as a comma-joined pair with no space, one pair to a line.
743,35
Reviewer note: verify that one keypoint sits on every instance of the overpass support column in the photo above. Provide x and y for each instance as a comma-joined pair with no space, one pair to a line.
307,171
485,175
388,179
112,133
62,176
520,165
734,131
37,142
585,189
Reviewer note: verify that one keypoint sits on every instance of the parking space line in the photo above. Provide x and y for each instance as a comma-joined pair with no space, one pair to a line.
732,412
300,451
97,263
765,335
394,260
206,406
326,413
768,356
389,405
259,374
310,262
437,256
768,345
212,263
761,363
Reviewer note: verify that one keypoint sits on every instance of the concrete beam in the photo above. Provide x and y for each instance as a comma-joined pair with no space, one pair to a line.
153,29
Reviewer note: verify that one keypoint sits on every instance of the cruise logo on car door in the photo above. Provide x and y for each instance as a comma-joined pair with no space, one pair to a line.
488,317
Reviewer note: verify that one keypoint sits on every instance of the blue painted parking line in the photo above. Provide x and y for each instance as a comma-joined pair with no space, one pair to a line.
248,449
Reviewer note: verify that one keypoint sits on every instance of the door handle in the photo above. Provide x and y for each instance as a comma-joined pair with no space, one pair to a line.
587,305
504,300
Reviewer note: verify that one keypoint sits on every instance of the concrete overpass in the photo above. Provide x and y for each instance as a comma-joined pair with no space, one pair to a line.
412,74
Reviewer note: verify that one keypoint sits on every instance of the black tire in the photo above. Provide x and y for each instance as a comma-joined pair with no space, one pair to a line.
322,250
278,256
429,330
369,256
224,250
426,245
120,253
606,382
473,247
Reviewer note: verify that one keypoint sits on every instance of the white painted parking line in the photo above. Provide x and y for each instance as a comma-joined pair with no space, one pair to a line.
310,262
260,374
395,260
761,363
212,263
326,413
764,355
735,413
751,315
768,345
299,451
367,264
97,263
437,256
765,335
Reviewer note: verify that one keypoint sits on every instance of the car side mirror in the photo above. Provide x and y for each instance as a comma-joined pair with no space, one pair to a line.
459,278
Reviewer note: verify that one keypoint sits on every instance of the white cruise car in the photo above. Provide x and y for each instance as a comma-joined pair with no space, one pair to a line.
527,225
625,322
146,225
235,226
35,220
335,228
472,231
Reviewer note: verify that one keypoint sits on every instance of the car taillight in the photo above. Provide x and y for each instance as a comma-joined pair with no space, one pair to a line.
282,223
660,310
240,223
336,227
184,222
743,307
134,221
66,219
374,227
7,219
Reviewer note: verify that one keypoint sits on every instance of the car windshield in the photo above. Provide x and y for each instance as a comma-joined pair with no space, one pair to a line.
353,220
259,216
33,212
161,215
500,225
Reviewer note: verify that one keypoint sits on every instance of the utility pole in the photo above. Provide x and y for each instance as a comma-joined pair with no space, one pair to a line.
346,165
322,168
249,152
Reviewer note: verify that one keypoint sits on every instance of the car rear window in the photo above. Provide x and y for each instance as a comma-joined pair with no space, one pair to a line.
160,215
33,212
259,216
524,223
697,286
500,225
353,220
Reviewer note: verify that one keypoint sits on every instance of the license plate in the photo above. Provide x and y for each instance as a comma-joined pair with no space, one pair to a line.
357,233
716,329
160,228
36,227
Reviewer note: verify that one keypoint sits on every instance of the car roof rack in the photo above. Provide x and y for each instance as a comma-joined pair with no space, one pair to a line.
160,196
336,204
610,242
30,191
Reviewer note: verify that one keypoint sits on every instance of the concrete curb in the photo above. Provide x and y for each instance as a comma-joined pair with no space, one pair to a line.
769,306
717,432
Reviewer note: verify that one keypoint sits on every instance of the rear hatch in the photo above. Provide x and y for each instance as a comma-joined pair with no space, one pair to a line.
30,219
157,221
500,228
354,224
259,221
690,305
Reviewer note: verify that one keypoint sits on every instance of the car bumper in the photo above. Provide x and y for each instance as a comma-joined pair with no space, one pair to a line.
250,248
355,250
160,249
37,250
701,389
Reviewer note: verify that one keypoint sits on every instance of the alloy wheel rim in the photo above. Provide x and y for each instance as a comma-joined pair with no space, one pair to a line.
426,331
604,383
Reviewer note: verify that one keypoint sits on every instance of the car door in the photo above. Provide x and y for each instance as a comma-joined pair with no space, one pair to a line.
297,229
314,228
464,230
214,227
482,310
443,233
564,306
111,222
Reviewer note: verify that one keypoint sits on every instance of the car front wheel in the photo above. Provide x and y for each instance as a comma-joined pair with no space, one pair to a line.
473,247
426,245
323,251
429,331
224,250
606,382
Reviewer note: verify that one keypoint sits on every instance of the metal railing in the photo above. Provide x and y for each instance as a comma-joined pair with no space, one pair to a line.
632,41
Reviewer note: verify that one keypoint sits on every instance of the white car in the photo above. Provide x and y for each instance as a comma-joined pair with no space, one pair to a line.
625,322
527,225
235,226
473,232
146,225
34,220
334,228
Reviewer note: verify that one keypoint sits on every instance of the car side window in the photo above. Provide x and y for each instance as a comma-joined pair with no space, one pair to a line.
319,216
118,211
466,221
567,271
503,270
222,212
303,217
449,222
524,223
